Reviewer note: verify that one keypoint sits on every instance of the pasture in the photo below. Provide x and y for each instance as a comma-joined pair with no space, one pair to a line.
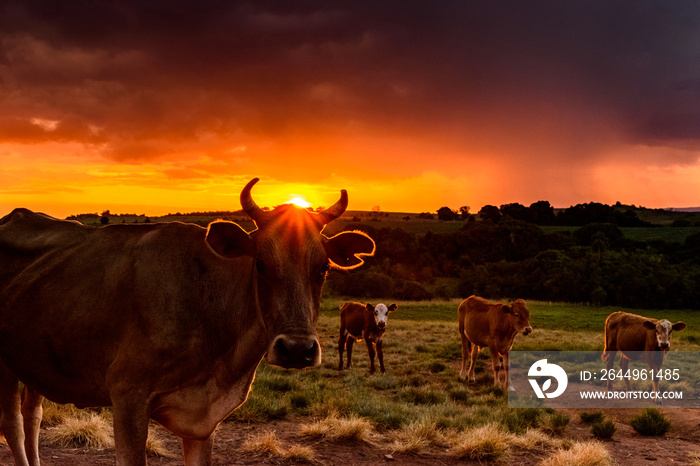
419,412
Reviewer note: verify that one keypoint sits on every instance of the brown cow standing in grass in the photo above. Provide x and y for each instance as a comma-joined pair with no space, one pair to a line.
163,321
637,338
495,326
359,321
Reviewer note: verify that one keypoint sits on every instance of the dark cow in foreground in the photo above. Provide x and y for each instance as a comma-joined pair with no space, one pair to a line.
637,338
163,321
360,321
495,326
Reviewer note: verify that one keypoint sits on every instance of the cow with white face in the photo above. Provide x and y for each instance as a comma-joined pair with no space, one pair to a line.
637,338
360,321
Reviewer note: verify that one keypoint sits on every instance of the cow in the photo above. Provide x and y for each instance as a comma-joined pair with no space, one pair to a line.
495,326
360,321
637,338
163,321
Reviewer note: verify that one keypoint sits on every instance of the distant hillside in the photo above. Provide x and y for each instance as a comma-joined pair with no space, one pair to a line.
678,217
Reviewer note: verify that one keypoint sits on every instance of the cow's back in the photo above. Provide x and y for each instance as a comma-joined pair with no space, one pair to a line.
123,291
626,332
352,318
26,236
475,315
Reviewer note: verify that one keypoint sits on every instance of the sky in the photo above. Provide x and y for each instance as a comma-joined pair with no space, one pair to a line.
170,106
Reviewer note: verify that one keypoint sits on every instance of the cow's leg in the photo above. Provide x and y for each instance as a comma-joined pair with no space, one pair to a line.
609,362
370,350
506,371
496,365
11,419
624,366
341,348
31,415
380,356
130,413
465,355
655,382
197,452
473,354
351,341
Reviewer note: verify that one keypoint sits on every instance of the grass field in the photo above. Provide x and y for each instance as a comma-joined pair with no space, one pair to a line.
420,405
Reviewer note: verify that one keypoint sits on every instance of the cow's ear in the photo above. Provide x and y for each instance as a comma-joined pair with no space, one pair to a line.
229,240
344,249
369,307
678,326
392,307
649,325
506,309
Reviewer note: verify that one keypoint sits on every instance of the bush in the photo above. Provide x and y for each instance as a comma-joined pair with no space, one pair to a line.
555,423
592,418
651,422
603,429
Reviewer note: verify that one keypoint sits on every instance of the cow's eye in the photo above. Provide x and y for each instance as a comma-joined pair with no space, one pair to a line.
516,314
259,265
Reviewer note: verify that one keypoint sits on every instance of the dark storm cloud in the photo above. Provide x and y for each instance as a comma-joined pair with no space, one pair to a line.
495,76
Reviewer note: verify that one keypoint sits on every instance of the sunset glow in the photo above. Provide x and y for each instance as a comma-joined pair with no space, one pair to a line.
367,99
299,202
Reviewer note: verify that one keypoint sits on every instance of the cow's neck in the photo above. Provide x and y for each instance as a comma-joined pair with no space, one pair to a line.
240,341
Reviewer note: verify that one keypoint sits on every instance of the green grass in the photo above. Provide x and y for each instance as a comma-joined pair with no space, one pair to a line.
558,317
651,422
422,387
603,429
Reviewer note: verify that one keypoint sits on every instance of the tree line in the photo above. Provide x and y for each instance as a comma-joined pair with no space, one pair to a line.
509,255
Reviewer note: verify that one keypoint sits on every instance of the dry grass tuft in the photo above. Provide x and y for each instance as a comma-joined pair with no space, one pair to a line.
155,446
55,414
694,457
581,454
267,444
486,443
334,428
88,429
534,439
415,438
299,453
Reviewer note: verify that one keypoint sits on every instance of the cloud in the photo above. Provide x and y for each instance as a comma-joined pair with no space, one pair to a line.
356,85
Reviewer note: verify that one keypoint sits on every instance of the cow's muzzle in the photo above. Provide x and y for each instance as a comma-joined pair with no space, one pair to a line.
527,330
294,352
664,346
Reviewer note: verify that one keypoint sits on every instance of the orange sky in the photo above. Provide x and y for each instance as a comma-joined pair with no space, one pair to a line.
145,110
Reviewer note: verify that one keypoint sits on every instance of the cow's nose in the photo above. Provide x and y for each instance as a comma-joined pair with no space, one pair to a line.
294,352
664,345
381,324
527,330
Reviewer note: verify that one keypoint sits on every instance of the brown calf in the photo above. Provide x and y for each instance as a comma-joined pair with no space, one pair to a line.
494,325
637,338
359,321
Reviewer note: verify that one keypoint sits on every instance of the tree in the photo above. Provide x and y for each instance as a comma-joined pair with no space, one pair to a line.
446,214
490,212
464,212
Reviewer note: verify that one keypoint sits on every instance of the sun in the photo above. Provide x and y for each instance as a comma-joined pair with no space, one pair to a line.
299,202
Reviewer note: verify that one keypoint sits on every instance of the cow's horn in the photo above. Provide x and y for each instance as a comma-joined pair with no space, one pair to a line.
247,202
336,210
